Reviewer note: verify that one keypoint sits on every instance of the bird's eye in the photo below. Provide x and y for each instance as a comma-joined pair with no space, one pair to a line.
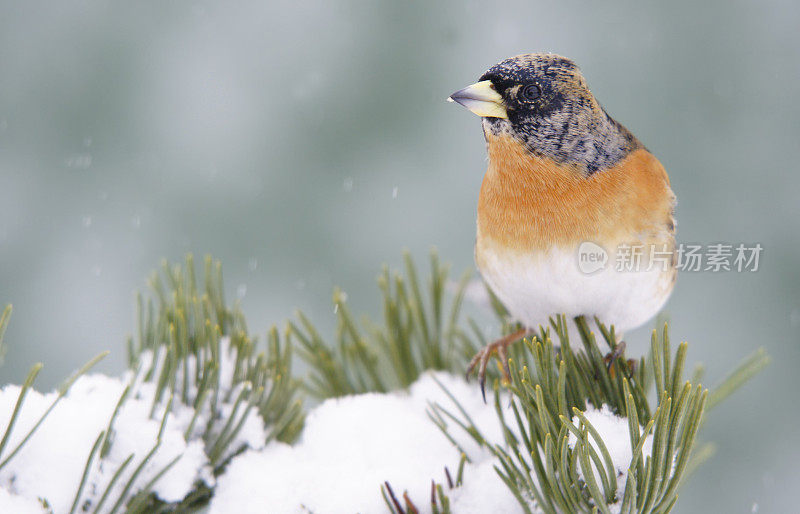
529,93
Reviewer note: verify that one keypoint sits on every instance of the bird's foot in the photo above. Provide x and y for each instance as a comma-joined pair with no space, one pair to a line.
616,353
611,358
500,346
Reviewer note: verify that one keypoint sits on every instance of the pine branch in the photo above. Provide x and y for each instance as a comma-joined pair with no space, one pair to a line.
554,455
180,347
420,331
552,386
193,346
193,351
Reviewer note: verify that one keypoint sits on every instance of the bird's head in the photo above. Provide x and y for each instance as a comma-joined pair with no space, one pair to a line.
543,101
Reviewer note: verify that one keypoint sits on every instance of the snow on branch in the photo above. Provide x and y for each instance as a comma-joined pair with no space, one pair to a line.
207,418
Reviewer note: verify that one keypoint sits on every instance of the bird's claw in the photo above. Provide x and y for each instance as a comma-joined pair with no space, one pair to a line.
618,352
481,359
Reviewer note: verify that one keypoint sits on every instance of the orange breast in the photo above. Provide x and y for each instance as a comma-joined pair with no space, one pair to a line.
530,203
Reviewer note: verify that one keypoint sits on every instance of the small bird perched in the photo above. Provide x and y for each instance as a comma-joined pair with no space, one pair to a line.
569,194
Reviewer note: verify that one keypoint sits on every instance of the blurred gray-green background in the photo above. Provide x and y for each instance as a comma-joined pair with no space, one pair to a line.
306,144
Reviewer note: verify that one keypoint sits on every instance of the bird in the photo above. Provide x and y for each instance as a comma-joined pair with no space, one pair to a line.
575,215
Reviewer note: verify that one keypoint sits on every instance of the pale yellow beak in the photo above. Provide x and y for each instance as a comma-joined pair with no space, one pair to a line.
482,99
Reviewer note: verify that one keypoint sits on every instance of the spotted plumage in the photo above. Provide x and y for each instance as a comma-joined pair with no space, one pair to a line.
564,122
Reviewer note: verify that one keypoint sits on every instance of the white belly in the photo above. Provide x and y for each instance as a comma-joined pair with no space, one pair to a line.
534,287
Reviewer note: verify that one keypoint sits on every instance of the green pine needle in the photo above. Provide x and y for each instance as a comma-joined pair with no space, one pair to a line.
556,385
420,331
182,324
